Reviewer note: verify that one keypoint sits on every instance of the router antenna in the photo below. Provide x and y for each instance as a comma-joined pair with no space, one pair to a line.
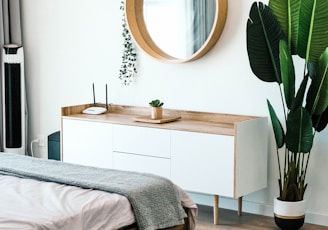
106,99
94,95
95,110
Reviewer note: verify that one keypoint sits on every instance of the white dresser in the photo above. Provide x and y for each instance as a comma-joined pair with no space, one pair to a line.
211,153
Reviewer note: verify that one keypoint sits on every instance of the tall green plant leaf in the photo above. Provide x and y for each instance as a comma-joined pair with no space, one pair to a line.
320,122
298,102
313,29
312,67
277,127
287,13
299,135
317,97
263,36
287,73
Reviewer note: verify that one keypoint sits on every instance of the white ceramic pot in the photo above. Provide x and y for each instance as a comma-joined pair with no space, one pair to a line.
289,215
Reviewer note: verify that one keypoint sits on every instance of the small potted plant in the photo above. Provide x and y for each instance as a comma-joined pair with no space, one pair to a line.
156,109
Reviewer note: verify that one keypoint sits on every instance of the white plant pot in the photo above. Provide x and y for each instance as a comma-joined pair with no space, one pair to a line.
289,215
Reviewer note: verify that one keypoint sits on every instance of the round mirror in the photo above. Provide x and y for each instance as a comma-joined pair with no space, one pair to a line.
176,30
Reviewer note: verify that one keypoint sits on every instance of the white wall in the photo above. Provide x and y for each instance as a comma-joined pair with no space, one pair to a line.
69,44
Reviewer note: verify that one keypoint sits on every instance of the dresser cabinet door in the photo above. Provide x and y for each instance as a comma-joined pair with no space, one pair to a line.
87,143
203,162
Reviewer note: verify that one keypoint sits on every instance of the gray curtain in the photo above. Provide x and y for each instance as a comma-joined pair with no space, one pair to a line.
10,33
204,14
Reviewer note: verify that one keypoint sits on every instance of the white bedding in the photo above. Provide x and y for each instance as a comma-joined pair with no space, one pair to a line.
29,204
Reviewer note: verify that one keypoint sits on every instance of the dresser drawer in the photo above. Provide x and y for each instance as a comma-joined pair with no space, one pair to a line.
138,163
141,141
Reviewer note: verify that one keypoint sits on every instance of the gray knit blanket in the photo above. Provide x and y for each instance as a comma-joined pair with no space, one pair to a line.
155,200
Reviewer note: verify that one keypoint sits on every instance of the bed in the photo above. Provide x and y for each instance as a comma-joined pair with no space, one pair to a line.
47,194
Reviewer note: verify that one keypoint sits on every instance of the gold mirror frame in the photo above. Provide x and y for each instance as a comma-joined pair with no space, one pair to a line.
137,27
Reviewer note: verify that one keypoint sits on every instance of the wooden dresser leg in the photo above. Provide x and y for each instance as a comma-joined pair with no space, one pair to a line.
240,206
216,209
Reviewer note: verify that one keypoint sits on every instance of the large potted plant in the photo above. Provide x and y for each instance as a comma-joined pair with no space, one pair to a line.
278,34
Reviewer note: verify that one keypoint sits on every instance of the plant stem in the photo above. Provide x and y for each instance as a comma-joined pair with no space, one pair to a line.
287,160
307,160
280,185
283,103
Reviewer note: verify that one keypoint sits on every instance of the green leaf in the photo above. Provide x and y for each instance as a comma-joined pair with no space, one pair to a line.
287,73
299,135
320,122
311,66
156,103
313,29
298,102
277,127
263,36
317,97
287,13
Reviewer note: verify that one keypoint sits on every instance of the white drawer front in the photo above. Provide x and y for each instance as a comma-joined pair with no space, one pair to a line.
141,141
203,162
137,163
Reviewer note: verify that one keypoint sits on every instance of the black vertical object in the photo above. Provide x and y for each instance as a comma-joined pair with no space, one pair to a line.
13,106
14,113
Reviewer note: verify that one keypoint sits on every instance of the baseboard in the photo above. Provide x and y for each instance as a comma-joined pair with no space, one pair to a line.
254,208
316,218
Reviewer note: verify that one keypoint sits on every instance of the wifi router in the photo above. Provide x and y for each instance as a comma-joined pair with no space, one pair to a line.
95,110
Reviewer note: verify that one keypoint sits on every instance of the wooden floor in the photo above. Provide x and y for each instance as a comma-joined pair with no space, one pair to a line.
229,220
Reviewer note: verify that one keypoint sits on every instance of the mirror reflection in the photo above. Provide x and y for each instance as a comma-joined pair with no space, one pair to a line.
179,27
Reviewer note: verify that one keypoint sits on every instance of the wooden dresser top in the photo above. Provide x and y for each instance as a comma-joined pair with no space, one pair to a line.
203,122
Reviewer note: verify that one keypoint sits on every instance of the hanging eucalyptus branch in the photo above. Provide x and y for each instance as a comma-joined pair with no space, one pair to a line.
129,56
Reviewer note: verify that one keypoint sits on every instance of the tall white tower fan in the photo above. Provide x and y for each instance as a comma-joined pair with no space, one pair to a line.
13,98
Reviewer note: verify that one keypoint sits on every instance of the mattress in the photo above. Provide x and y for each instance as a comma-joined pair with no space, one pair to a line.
31,204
